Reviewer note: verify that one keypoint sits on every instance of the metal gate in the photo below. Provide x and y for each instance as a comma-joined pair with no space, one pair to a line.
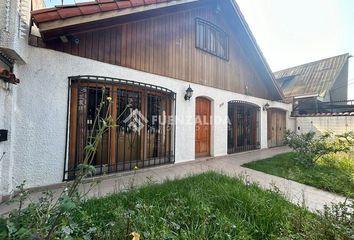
243,127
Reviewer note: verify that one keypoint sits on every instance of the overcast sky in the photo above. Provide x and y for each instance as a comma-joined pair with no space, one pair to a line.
293,32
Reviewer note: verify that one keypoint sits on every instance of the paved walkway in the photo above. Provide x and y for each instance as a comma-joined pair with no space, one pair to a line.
297,193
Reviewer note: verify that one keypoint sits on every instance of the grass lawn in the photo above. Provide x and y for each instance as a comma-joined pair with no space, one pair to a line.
207,206
330,175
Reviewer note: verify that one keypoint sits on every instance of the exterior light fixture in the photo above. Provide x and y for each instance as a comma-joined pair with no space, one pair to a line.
266,107
189,93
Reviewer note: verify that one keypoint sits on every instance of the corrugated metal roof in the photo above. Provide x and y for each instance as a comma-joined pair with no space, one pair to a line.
312,78
87,8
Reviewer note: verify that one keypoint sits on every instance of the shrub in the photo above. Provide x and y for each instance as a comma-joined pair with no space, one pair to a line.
309,148
334,222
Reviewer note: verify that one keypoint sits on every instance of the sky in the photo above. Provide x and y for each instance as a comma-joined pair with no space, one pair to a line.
294,32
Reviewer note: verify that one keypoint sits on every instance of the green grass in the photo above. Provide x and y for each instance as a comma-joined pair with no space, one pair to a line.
207,206
203,207
333,173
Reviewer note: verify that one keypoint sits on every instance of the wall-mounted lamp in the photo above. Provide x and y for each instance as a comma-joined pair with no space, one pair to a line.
189,93
266,107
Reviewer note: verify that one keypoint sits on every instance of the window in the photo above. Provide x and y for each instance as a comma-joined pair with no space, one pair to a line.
211,39
143,136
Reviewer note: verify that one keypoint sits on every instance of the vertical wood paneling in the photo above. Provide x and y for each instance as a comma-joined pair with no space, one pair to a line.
118,45
101,47
123,38
165,45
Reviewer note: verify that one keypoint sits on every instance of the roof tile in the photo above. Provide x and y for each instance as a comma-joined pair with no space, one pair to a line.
86,8
67,13
89,9
136,3
125,4
108,7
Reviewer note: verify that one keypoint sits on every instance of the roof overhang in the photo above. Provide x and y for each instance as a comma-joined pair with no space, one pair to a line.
61,24
102,15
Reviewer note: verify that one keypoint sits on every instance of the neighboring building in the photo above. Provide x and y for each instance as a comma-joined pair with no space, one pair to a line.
316,87
147,54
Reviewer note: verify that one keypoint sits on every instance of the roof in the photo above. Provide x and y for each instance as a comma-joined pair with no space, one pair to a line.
312,78
61,15
87,8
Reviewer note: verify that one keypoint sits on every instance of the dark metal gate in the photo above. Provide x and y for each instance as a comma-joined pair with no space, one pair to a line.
144,132
243,127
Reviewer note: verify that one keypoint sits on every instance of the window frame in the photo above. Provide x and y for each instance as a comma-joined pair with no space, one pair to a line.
209,28
76,136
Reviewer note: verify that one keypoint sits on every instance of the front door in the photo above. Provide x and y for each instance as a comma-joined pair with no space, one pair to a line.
281,127
202,127
276,127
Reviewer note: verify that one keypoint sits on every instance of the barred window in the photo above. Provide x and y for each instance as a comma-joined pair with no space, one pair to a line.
211,39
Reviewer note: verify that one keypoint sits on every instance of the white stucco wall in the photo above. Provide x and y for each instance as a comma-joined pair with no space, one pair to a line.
7,96
335,124
13,32
40,112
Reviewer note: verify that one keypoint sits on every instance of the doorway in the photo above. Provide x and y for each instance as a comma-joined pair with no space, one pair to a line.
276,127
243,130
202,127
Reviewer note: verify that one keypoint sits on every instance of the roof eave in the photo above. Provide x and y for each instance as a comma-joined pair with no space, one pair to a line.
83,19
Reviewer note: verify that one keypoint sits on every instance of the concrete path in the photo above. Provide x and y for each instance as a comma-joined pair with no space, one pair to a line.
297,193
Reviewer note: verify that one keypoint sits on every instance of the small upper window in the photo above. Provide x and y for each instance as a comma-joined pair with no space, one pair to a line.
211,39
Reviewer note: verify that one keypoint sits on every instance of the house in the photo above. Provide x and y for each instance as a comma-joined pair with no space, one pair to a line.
317,86
193,61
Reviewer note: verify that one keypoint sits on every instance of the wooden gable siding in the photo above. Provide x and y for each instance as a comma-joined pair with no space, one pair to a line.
165,45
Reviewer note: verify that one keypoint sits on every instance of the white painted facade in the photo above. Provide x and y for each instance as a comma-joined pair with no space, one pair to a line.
39,122
7,96
14,28
35,111
14,22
